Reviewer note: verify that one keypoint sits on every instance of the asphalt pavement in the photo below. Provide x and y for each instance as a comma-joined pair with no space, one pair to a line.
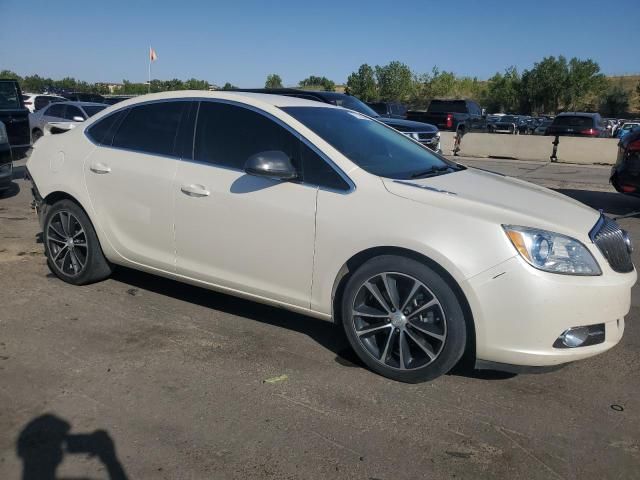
140,377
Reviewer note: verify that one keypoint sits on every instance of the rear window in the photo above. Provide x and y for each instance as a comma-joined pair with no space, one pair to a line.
9,97
573,121
444,106
150,128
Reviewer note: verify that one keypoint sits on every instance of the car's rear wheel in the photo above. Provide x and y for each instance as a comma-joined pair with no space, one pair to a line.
71,245
403,319
36,134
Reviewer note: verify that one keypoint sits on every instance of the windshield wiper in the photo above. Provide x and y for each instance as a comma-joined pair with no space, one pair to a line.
431,172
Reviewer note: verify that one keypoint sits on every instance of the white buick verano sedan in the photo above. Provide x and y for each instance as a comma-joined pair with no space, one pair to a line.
327,212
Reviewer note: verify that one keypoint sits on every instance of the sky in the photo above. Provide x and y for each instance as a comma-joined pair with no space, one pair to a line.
242,41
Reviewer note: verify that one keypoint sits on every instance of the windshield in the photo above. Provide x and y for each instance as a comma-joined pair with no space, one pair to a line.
509,119
91,110
372,146
9,99
352,103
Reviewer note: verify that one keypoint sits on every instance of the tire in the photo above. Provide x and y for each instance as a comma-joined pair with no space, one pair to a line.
36,135
433,333
81,262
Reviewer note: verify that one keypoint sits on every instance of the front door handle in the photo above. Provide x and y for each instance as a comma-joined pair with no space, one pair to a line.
195,190
100,168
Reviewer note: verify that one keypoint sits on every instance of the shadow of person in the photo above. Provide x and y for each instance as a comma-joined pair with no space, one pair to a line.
45,440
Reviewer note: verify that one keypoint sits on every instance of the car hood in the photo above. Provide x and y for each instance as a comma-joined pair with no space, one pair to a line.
408,125
500,199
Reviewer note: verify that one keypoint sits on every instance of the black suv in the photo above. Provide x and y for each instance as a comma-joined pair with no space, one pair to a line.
577,124
15,117
427,134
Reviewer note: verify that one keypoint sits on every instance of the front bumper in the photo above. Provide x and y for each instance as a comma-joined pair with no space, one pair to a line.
519,312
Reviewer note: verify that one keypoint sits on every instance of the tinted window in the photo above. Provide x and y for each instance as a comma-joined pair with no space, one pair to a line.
379,108
91,110
445,106
101,132
573,121
227,135
9,98
317,171
378,149
72,112
150,128
41,102
56,111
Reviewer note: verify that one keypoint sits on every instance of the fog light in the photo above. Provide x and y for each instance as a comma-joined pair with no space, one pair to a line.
581,336
574,337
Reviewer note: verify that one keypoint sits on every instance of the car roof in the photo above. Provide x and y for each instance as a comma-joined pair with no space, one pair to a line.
83,104
573,114
240,96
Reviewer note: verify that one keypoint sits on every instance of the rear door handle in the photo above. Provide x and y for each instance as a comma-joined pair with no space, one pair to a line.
100,168
195,190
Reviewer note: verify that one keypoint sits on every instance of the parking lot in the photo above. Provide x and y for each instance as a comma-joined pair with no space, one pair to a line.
188,383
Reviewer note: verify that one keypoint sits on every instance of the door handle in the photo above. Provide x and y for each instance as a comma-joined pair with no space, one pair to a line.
195,190
100,168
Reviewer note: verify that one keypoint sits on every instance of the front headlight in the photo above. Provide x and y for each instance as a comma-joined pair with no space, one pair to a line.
552,252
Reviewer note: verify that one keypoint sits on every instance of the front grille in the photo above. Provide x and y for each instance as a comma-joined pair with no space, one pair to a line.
426,136
611,240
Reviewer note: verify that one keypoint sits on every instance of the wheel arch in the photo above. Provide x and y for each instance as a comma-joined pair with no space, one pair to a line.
351,265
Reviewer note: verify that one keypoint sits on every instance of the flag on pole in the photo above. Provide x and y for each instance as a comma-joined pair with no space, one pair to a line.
153,56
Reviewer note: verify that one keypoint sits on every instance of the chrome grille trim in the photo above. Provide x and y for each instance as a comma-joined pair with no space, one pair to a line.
610,240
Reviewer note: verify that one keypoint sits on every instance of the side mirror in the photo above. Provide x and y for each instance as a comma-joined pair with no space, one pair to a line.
484,112
272,164
78,118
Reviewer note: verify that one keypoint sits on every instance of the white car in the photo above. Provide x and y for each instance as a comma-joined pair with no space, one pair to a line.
327,212
37,101
68,112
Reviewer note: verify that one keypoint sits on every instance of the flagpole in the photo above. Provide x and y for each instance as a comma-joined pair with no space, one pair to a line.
149,82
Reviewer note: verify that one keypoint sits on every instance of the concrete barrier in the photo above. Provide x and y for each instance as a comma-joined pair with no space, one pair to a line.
447,139
540,148
521,147
587,150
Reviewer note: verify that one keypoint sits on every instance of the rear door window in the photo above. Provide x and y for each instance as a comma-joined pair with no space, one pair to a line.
101,132
151,128
73,112
57,111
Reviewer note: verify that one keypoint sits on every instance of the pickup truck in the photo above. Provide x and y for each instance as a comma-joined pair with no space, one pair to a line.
462,116
15,117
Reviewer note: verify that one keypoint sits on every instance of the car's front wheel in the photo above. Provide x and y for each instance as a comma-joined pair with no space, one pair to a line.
403,319
71,245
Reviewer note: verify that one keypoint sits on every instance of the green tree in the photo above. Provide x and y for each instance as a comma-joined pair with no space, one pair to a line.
503,92
228,86
193,84
584,82
314,82
395,81
273,81
546,83
615,102
362,83
8,74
